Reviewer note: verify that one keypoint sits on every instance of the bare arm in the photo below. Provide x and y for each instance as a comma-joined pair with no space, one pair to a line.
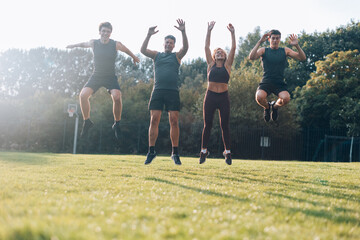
89,44
209,59
144,50
299,55
256,53
230,59
181,53
123,48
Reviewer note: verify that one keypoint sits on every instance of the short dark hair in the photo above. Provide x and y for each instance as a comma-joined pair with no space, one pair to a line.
275,32
106,25
171,37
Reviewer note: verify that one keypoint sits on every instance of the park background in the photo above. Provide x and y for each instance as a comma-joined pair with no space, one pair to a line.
38,84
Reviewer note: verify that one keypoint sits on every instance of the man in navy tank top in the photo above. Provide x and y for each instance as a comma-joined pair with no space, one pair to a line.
105,53
166,90
274,63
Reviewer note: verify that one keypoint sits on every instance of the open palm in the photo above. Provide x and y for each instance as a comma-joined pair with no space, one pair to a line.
293,40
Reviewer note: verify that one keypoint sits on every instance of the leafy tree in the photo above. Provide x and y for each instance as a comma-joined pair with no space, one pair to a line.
316,47
330,99
245,45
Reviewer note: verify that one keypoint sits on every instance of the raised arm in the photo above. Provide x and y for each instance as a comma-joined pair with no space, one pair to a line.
256,53
181,53
209,59
123,48
299,55
230,59
144,50
89,44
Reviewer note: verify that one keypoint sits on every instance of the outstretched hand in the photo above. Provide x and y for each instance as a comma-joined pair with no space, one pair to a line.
293,40
181,26
211,25
265,37
231,28
152,30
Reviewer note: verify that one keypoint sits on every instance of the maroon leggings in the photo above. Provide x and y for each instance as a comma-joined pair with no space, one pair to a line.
213,101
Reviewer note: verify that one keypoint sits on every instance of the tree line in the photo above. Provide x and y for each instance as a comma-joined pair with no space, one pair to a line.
36,84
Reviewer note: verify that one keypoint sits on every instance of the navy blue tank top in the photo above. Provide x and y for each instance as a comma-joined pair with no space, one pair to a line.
104,58
274,63
218,74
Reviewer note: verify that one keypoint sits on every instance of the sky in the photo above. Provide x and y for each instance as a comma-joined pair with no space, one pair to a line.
53,23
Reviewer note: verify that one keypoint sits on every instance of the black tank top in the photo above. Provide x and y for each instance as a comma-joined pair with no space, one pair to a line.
274,63
218,74
104,58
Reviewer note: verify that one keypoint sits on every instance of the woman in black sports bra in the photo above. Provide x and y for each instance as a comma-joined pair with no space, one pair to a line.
217,97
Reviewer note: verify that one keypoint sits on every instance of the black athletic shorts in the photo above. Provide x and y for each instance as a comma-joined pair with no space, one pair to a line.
161,97
109,82
272,88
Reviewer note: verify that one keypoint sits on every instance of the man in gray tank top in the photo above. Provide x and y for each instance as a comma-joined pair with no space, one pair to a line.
105,53
274,63
165,91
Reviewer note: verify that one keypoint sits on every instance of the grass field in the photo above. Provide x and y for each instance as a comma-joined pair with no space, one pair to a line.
63,196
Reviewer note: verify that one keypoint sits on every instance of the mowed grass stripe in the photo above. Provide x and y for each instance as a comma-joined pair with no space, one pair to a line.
64,196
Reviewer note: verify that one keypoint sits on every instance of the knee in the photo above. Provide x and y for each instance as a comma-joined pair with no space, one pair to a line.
260,96
285,99
154,120
174,122
208,124
84,96
116,96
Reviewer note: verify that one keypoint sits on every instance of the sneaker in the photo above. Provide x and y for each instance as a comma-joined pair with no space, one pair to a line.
274,111
150,157
203,157
228,159
116,128
267,113
86,127
176,159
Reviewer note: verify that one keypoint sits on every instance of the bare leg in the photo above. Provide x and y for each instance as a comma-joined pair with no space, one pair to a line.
261,98
284,98
155,116
117,104
84,97
174,128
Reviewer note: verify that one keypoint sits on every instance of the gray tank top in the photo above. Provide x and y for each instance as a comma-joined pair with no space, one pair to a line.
104,58
166,68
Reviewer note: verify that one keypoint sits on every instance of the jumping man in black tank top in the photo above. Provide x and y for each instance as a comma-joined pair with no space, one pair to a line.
217,97
274,62
165,91
105,52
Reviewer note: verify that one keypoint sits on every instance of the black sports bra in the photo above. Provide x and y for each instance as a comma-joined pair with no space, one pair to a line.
218,74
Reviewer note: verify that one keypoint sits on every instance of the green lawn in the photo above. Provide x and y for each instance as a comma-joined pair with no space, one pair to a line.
64,196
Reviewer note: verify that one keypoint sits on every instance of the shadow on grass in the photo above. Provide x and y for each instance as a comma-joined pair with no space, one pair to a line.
199,190
326,215
27,158
323,183
314,203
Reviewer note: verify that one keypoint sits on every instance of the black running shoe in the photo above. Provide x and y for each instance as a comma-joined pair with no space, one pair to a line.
176,159
116,128
150,157
86,127
274,111
267,113
228,159
203,157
